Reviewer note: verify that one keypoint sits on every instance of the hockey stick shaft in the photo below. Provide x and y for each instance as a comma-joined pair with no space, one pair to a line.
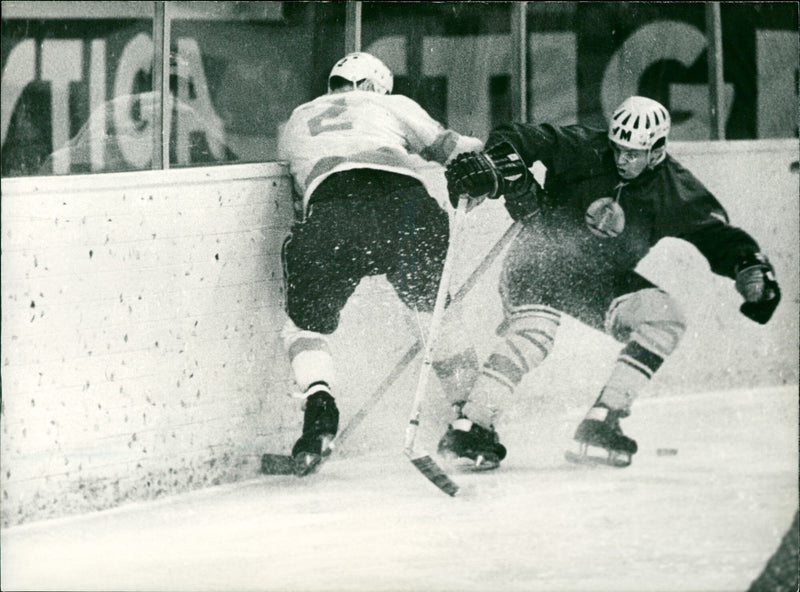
424,462
433,331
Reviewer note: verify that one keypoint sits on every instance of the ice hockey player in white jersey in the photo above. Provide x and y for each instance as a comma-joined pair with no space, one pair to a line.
361,161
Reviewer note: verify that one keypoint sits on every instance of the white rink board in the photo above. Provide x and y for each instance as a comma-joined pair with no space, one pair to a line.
141,311
139,333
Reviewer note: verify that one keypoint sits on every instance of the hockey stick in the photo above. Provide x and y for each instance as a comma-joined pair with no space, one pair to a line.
377,394
283,464
422,461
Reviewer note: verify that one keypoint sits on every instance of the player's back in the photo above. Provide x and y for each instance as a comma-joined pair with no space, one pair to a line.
347,123
380,131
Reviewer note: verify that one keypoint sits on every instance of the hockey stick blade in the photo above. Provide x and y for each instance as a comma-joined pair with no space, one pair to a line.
428,467
277,464
283,464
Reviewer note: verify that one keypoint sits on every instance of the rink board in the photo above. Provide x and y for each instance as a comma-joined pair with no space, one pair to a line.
141,312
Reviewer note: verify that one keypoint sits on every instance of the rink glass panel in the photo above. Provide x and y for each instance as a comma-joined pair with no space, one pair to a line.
245,69
660,50
418,43
76,92
79,94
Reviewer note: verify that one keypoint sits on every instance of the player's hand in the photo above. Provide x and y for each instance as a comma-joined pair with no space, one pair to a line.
498,170
514,179
755,281
470,175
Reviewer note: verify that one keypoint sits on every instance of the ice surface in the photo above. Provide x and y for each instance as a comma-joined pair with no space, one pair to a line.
704,519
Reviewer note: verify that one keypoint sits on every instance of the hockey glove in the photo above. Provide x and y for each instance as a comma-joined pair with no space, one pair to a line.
755,281
496,171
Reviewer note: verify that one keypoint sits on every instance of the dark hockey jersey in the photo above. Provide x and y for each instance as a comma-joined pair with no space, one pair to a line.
666,201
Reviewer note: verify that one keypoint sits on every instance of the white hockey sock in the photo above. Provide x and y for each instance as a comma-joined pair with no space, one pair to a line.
632,372
457,374
526,339
309,356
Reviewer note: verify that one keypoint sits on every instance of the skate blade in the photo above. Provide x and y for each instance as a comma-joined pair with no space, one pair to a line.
595,456
488,462
482,463
306,464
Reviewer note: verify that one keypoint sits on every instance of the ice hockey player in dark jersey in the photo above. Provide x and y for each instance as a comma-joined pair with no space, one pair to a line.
609,196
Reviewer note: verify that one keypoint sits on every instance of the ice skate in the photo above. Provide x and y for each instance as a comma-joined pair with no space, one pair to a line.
467,440
320,425
600,440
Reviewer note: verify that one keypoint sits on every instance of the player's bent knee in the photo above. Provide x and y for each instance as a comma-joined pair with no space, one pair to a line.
661,337
651,317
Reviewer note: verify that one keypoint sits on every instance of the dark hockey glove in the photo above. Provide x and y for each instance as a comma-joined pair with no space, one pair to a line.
755,281
496,171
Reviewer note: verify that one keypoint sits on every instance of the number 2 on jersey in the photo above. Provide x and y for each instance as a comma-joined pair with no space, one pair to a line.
326,121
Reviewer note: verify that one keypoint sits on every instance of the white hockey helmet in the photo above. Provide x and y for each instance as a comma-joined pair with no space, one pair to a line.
639,123
359,66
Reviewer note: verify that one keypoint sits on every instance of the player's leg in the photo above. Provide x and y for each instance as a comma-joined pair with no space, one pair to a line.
314,374
420,236
317,287
524,339
651,325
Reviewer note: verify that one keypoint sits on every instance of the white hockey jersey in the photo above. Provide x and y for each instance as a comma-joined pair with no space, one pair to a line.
362,129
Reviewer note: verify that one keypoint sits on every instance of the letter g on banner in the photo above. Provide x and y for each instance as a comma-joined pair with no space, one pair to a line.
652,43
135,135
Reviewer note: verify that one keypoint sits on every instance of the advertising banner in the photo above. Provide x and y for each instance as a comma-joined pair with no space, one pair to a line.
78,96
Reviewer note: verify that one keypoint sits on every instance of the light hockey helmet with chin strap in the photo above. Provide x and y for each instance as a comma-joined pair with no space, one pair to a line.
358,66
639,123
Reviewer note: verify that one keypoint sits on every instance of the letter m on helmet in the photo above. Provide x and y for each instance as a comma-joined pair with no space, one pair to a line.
624,135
